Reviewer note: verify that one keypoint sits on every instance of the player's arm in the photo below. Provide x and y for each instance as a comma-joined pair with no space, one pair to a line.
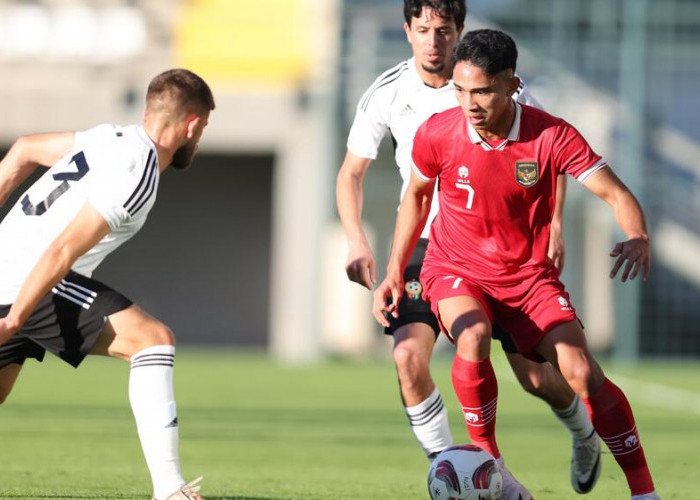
84,232
635,253
360,264
556,250
29,152
412,216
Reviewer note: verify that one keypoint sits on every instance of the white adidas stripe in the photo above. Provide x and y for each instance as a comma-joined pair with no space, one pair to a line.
84,305
78,287
77,294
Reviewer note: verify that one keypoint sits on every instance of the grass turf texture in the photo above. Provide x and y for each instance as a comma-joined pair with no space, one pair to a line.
257,430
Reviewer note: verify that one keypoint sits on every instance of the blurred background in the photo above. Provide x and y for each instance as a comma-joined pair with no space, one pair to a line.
245,249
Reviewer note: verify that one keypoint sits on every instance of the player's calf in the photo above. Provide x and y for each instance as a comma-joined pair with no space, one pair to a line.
543,381
413,371
8,375
614,422
423,404
153,404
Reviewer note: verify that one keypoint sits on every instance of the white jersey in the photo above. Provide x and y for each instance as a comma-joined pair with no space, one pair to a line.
399,101
113,168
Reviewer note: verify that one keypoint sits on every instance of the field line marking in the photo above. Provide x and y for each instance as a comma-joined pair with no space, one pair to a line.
647,393
659,395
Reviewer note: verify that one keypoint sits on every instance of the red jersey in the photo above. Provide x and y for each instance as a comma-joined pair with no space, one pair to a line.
497,200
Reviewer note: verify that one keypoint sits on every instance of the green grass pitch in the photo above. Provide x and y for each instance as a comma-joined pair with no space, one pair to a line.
257,430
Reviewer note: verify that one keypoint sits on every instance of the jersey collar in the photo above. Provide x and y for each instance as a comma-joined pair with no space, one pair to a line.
417,80
141,132
513,135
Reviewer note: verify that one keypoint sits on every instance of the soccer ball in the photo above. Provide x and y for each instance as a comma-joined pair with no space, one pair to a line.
464,472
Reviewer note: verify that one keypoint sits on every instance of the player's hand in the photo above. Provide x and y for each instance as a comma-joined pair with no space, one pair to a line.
360,265
391,287
556,250
7,329
635,254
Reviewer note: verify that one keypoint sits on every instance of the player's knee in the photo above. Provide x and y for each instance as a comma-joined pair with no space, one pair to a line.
473,342
580,378
148,334
533,383
409,358
478,333
160,334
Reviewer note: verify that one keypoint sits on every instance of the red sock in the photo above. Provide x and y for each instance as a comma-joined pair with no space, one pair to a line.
477,390
613,420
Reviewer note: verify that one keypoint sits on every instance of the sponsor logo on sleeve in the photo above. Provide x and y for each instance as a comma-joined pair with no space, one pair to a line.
565,305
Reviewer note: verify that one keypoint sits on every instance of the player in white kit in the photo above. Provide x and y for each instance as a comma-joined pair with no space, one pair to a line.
399,101
95,195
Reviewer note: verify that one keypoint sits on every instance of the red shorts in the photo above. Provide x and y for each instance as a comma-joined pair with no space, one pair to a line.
527,310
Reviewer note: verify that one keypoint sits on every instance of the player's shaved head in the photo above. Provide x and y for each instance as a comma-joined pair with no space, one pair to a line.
177,92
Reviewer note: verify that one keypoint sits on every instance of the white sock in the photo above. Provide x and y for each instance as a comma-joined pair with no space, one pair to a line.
429,424
153,404
651,494
575,418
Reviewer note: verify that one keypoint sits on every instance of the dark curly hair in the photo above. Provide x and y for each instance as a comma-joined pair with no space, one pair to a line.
451,9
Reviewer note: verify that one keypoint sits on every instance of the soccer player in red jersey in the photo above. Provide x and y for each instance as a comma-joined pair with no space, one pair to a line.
496,163
398,102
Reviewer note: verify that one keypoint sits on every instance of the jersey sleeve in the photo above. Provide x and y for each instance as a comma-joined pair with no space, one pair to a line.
424,163
573,155
524,96
369,126
121,177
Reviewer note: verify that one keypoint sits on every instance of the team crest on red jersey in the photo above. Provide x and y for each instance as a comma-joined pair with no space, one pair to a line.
527,173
